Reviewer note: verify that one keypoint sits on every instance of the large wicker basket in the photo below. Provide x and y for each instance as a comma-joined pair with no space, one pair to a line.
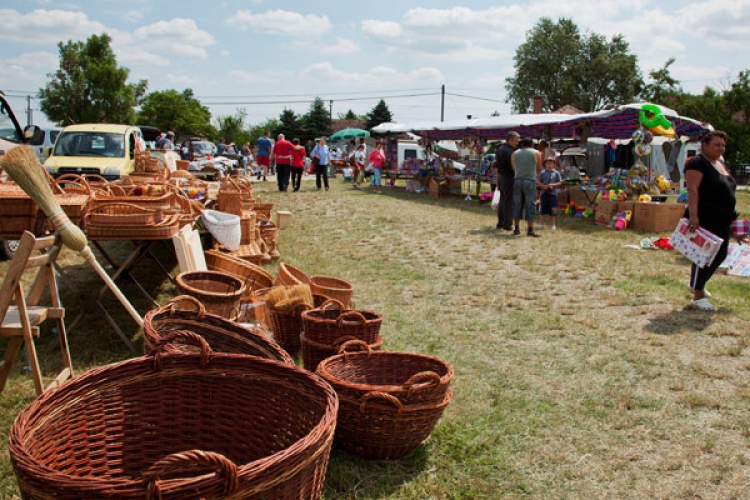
315,352
290,275
252,275
412,378
218,291
378,426
334,288
325,325
178,427
187,314
286,328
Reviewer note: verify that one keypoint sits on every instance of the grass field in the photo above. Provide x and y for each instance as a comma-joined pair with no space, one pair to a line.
580,373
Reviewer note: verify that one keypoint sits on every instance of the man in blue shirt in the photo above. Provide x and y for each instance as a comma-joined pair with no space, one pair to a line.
320,156
264,146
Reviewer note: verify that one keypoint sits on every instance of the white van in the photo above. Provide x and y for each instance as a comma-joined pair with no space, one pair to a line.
43,145
412,150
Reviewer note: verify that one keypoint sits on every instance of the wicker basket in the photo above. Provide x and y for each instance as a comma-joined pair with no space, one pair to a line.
178,427
123,214
324,325
162,230
334,288
412,378
218,291
187,314
253,276
378,426
290,275
315,352
224,227
286,328
161,201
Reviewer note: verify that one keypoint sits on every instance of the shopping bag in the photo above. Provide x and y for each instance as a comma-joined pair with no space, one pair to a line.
700,246
495,199
360,176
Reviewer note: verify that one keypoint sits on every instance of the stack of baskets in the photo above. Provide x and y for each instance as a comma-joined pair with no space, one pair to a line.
185,313
389,402
220,292
329,326
178,426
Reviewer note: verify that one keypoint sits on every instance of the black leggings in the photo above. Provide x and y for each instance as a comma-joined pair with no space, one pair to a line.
699,276
321,171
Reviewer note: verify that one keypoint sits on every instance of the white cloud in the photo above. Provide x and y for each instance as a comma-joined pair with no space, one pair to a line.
376,78
44,27
133,16
280,22
176,37
341,46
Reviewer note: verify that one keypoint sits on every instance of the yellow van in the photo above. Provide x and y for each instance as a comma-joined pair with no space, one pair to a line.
95,148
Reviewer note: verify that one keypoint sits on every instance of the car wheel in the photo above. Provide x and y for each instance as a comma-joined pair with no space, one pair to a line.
8,249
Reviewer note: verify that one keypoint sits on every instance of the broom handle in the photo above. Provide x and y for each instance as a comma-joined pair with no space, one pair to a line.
87,254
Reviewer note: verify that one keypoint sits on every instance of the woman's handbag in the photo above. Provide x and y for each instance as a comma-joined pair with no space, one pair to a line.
700,246
495,199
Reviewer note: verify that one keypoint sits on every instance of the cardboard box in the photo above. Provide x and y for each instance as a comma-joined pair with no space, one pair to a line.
583,198
604,212
563,197
438,189
657,217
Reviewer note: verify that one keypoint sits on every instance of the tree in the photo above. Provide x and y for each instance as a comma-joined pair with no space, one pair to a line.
564,67
663,89
256,131
232,128
289,125
350,115
379,114
179,112
317,121
89,86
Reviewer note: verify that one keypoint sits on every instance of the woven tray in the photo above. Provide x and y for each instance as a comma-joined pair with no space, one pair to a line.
156,202
178,427
123,214
412,378
165,229
186,313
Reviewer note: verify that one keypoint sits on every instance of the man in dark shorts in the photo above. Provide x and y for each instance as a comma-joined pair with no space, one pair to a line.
263,157
506,181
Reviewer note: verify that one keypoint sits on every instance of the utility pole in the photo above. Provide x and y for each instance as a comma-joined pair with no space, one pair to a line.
330,113
29,117
442,103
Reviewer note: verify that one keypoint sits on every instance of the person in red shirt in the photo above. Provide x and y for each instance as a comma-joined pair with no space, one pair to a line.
282,154
377,159
298,164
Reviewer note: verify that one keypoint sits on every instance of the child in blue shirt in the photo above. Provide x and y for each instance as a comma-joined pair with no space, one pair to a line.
548,181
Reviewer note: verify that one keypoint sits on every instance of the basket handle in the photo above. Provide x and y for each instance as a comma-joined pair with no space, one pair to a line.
188,337
432,379
356,314
193,462
175,302
343,348
331,302
380,395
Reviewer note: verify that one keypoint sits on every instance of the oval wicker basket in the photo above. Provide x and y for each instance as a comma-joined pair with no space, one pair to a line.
178,427
334,288
380,427
412,378
315,352
252,275
187,314
325,325
218,291
290,275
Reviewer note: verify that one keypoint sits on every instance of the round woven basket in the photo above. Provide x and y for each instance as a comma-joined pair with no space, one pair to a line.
185,313
220,292
290,275
412,378
286,328
224,227
324,325
334,288
253,276
315,352
178,427
378,426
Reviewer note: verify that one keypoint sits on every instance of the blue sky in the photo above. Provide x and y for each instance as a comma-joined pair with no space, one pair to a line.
264,56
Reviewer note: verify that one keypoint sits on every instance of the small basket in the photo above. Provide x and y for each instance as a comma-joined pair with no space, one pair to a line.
123,214
378,426
224,227
253,276
286,328
412,378
218,291
325,325
163,230
178,427
315,352
334,288
290,275
187,314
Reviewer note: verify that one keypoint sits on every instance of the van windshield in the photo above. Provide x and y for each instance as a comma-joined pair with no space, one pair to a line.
111,145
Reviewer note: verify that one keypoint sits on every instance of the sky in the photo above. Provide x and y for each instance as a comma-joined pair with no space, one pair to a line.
265,56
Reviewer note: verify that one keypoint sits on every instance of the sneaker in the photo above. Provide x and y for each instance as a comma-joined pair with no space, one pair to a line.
540,226
516,232
553,227
705,292
702,305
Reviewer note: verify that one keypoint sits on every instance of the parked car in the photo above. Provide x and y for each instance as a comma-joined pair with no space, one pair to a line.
197,149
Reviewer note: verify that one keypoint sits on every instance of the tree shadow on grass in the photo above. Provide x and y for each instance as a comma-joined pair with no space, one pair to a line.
683,321
352,477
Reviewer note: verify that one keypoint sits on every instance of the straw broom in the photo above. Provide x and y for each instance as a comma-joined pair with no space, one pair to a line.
23,167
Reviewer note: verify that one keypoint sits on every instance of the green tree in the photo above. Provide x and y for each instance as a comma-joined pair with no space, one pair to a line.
350,115
663,88
317,120
177,111
89,87
565,67
379,114
256,131
289,125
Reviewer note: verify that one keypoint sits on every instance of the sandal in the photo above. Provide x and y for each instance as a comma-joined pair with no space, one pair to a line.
702,305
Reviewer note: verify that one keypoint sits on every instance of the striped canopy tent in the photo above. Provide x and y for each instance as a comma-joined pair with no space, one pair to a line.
616,123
